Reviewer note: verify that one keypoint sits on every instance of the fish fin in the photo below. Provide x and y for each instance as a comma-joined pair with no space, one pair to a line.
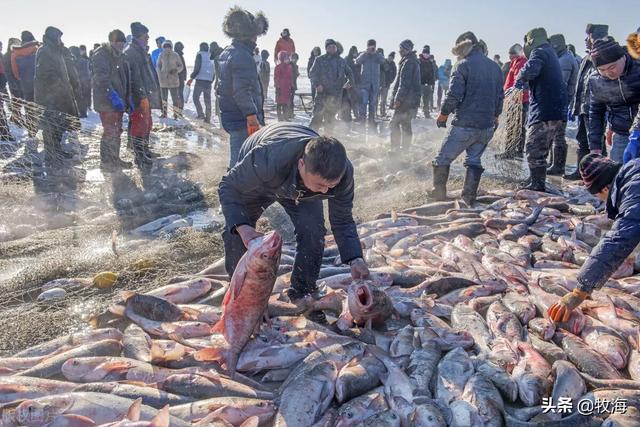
235,287
125,295
115,366
133,414
161,419
218,328
74,420
212,376
209,354
117,309
190,313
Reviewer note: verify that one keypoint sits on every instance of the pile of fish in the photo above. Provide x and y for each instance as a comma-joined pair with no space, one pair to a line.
450,329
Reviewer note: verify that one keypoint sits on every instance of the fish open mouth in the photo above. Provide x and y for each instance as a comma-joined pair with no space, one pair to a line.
364,296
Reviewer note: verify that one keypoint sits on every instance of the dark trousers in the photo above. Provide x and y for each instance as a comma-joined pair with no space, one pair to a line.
384,95
284,112
202,87
400,126
540,137
583,136
427,99
442,90
110,141
53,126
174,99
308,221
325,108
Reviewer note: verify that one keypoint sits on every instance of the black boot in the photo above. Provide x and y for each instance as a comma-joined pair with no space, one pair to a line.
575,175
140,157
559,161
471,183
440,178
537,180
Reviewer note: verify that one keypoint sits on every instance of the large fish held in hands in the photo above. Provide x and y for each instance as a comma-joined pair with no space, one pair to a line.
246,300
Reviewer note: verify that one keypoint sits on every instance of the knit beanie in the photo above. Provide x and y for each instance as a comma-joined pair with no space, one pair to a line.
558,43
329,42
605,51
406,44
597,172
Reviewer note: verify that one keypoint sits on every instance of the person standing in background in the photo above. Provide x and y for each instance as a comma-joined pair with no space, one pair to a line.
87,93
23,69
156,52
580,108
215,50
296,73
112,90
145,94
14,84
84,76
239,90
169,67
444,77
351,96
283,82
204,73
315,52
569,69
330,74
405,98
369,62
264,71
284,43
496,59
388,71
428,72
56,88
548,103
516,61
182,76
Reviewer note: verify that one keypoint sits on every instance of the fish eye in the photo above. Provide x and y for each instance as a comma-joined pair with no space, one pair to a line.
260,404
349,414
393,416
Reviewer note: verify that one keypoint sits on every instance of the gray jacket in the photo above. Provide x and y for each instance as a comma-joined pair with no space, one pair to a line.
569,68
370,68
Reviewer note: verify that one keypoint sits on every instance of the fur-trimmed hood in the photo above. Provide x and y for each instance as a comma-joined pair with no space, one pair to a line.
241,24
463,48
633,44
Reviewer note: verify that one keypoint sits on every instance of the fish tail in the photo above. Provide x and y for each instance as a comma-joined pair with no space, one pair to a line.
218,328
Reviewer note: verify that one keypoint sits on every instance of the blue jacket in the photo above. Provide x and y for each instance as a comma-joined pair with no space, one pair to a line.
475,94
548,101
619,98
370,69
623,206
444,74
239,89
268,167
407,89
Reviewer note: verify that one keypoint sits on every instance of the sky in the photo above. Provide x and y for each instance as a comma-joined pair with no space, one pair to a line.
500,23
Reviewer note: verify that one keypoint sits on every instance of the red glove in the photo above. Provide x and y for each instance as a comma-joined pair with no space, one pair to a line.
253,125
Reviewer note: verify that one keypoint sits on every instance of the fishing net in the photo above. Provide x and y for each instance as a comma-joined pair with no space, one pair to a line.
508,139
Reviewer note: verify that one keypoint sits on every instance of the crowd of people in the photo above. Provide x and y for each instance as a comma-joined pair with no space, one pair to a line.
296,166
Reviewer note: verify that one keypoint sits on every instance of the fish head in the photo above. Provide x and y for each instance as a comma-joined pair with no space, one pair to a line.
264,252
75,369
37,413
531,389
361,296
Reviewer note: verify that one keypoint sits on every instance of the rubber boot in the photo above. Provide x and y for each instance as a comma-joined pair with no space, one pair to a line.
575,175
140,157
537,180
471,184
440,178
559,161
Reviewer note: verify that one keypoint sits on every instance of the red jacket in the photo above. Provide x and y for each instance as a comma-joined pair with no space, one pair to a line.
514,70
27,49
283,81
284,44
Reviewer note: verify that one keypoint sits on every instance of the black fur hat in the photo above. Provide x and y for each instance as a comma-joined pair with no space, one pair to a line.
241,24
